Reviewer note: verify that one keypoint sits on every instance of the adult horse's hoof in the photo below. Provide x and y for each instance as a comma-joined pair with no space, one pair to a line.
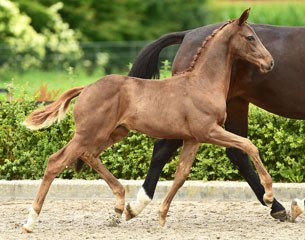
128,213
280,215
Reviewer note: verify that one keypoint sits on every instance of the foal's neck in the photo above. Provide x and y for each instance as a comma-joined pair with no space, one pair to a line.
214,63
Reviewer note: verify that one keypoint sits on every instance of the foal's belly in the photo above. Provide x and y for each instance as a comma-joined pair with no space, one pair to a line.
168,128
191,126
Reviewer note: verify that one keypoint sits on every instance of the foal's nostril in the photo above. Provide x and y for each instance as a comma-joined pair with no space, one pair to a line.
271,65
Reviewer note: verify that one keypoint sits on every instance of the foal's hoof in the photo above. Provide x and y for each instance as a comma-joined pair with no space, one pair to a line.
25,230
114,221
162,219
281,215
297,207
128,213
118,212
268,200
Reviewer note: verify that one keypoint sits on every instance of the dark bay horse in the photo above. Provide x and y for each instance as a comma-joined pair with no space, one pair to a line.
280,92
190,106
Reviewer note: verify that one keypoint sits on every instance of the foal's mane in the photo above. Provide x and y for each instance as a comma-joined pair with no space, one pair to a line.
203,45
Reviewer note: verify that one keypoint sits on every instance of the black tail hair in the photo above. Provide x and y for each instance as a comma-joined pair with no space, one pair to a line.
146,63
78,165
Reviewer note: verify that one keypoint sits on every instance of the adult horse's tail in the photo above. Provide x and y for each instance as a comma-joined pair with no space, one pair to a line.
146,63
56,111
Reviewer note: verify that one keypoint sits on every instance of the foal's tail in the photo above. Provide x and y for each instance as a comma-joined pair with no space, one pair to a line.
56,111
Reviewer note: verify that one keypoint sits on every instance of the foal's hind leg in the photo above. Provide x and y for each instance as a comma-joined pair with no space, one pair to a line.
92,160
221,137
56,163
186,160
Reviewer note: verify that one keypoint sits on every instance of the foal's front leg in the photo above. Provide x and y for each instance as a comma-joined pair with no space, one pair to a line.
237,123
186,160
223,138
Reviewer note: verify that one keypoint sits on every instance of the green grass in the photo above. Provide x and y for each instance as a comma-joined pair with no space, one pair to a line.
289,13
25,85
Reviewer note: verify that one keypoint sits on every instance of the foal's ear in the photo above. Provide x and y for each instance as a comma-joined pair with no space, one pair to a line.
243,17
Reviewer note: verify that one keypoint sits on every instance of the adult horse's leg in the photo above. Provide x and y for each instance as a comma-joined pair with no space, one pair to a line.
163,150
186,160
237,122
56,163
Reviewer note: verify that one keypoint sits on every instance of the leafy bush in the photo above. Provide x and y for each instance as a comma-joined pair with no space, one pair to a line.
20,39
63,49
24,153
23,47
281,143
126,20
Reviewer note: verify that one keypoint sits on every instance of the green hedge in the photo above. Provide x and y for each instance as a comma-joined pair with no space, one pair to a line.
24,153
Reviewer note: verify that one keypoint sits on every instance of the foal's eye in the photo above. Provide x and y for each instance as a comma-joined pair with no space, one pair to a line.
250,38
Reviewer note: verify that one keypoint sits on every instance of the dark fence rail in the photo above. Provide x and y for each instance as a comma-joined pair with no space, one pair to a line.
3,90
9,96
111,56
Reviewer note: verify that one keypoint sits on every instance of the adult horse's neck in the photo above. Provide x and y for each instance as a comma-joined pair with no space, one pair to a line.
213,62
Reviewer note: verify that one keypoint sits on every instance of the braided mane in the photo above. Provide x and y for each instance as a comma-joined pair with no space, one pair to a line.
203,45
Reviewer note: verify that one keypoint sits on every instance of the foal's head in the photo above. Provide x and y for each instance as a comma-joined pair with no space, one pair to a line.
247,46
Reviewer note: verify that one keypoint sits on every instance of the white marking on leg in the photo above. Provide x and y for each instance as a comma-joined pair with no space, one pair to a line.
297,208
142,201
300,204
32,219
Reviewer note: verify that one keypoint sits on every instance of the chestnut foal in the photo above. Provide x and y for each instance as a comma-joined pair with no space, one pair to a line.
189,106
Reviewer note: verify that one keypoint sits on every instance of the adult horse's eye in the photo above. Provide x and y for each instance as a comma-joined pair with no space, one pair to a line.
250,38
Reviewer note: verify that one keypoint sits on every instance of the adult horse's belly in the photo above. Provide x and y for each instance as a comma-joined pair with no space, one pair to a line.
280,92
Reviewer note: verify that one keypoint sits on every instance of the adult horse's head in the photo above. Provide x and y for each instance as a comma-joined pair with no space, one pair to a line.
247,46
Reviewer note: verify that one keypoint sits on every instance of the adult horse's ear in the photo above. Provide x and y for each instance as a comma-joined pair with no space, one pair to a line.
243,17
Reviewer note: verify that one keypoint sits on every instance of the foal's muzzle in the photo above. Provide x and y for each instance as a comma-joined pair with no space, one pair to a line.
271,66
267,68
